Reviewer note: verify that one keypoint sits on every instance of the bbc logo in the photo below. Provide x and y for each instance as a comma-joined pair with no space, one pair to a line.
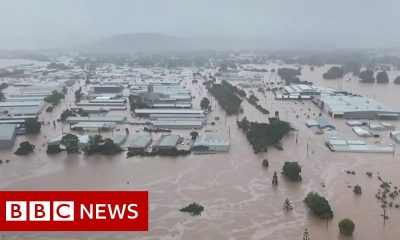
39,211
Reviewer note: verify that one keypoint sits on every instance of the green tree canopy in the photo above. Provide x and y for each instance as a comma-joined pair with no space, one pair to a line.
382,77
292,171
205,103
346,227
32,125
367,76
318,205
70,141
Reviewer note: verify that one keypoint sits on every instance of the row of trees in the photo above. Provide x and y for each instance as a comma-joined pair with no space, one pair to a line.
334,73
367,76
229,101
253,100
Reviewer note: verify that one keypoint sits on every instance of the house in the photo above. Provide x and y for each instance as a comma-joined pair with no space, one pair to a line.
395,136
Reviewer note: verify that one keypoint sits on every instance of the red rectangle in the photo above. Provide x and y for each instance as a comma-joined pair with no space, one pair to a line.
73,210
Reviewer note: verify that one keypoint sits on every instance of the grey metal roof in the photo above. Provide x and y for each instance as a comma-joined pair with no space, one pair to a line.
168,141
7,131
342,104
94,125
97,119
207,140
141,142
168,111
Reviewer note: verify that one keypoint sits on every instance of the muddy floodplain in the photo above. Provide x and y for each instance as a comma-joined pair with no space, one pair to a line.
236,191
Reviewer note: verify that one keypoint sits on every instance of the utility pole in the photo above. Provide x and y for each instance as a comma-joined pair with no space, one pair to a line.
308,146
384,216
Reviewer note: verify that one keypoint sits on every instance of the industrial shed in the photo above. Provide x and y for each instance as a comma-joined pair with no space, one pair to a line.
167,142
147,111
141,143
210,144
361,132
7,135
395,136
93,126
178,124
352,107
115,119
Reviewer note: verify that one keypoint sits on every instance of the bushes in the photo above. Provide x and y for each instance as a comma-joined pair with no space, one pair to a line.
292,171
51,149
253,101
193,208
25,148
318,205
346,227
357,189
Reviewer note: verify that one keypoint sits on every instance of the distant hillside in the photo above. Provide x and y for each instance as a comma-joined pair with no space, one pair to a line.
157,42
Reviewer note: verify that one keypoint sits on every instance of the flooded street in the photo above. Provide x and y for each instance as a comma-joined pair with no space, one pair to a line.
235,190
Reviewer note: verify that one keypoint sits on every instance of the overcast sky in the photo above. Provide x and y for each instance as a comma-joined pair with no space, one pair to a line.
60,23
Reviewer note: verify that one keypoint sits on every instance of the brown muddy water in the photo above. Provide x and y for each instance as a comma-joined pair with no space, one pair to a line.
236,191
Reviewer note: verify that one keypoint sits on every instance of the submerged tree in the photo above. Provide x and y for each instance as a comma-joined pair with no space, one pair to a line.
205,103
70,141
306,235
357,189
287,205
32,125
193,208
346,227
275,179
25,148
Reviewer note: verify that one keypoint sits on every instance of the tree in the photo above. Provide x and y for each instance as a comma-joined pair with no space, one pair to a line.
382,77
265,163
205,103
334,73
54,98
25,148
275,179
397,80
2,97
346,227
32,125
318,205
65,114
193,208
292,170
194,135
70,141
367,76
306,235
357,189
287,205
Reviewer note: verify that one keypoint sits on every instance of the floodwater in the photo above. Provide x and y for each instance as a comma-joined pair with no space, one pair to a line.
234,188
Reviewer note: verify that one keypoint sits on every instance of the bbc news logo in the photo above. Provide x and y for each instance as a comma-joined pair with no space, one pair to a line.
74,211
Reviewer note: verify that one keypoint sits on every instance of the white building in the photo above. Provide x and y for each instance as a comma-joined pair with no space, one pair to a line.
210,144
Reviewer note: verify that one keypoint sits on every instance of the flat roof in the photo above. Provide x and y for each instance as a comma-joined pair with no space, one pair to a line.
355,104
141,142
7,131
168,141
177,123
93,125
97,119
208,140
168,111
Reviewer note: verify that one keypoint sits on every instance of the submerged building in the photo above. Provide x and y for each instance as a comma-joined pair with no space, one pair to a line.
210,144
8,134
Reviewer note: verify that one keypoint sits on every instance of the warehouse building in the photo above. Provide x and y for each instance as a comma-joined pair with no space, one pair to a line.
93,126
115,119
395,136
145,112
167,142
181,116
8,134
348,145
210,144
302,90
352,107
109,88
361,132
140,144
178,124
83,141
